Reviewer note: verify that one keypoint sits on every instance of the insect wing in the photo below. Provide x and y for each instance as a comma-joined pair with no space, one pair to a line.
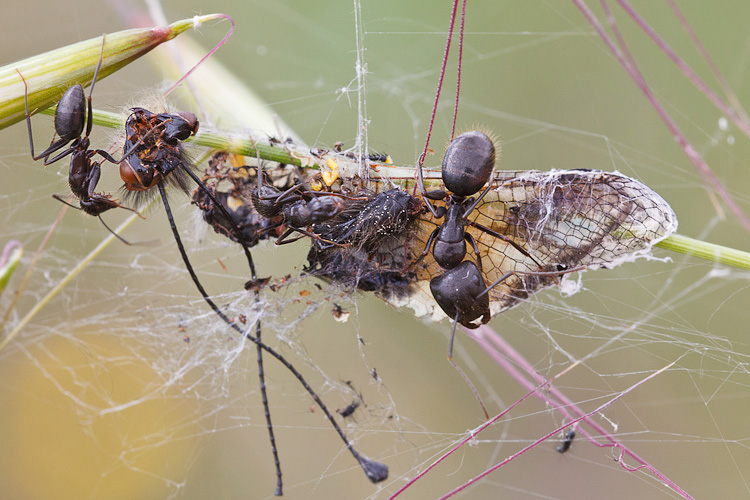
550,222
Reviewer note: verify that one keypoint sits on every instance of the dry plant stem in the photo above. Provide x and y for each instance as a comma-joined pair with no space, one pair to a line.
735,112
508,358
703,169
27,276
64,282
556,431
736,104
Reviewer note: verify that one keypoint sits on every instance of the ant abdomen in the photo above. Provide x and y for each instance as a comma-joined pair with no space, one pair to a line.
70,115
456,293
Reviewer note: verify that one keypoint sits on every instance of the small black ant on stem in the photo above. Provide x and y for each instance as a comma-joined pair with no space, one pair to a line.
73,115
300,207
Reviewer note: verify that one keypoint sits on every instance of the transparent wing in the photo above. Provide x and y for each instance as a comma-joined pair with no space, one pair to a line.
549,222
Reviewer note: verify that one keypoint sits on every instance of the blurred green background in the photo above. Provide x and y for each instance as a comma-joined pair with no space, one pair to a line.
102,396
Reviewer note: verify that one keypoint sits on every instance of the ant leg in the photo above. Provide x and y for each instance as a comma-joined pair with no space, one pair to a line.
114,233
287,195
506,240
58,198
56,145
428,246
468,237
283,241
495,283
375,471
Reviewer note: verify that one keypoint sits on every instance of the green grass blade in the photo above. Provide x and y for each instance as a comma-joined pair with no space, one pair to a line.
709,251
50,74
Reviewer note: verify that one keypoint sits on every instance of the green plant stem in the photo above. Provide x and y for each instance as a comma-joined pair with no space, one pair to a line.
300,157
708,251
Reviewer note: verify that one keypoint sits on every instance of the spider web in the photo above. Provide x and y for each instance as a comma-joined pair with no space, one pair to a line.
126,385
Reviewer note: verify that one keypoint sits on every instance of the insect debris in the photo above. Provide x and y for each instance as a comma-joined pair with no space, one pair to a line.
232,188
365,247
349,410
567,442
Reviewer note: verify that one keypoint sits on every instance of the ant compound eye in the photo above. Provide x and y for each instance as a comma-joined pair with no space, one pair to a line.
468,163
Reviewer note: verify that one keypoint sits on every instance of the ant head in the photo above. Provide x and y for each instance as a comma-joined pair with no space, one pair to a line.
177,127
468,163
70,115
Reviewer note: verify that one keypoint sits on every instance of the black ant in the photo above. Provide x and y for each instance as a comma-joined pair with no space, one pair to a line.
72,116
299,207
461,291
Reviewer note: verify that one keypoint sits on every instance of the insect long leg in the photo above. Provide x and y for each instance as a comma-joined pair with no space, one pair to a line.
226,214
261,375
259,350
375,471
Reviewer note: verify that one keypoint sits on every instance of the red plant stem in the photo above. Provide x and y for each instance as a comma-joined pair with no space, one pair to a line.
703,169
440,83
509,359
691,75
482,335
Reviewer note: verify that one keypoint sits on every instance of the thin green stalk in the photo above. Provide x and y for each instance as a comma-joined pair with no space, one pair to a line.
302,157
704,250
67,279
